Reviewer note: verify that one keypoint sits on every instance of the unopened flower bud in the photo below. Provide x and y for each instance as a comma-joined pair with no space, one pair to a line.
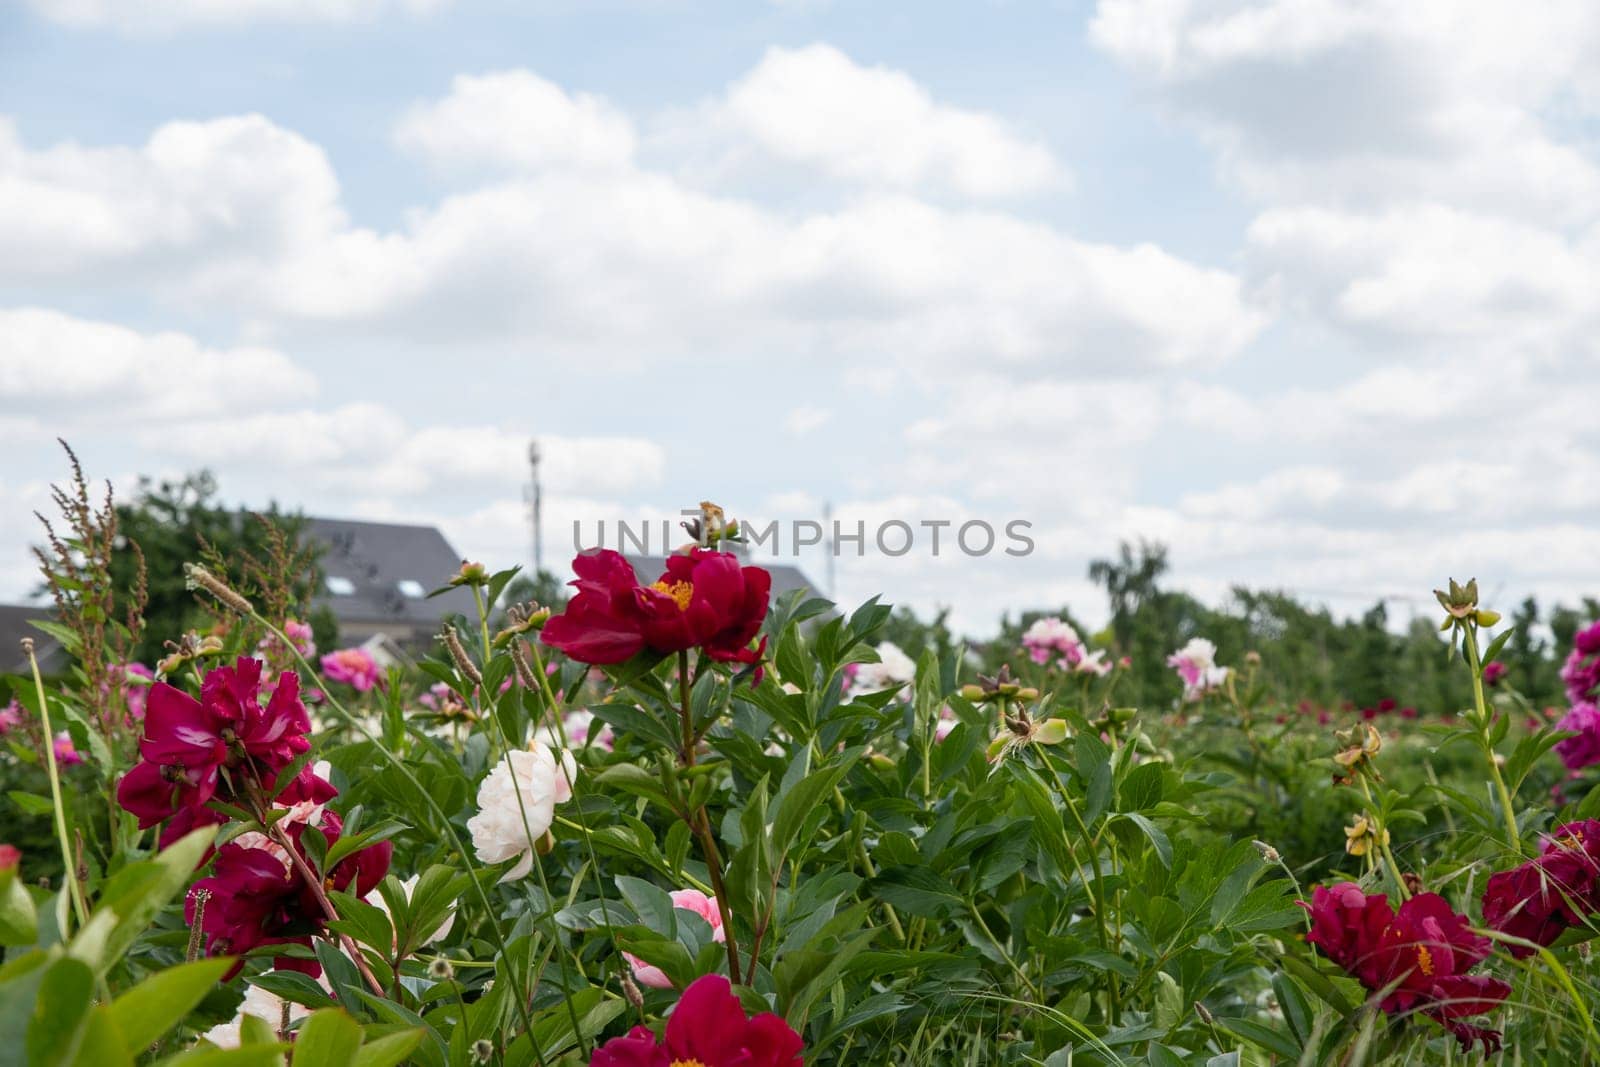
470,574
971,693
1268,853
1204,1013
631,991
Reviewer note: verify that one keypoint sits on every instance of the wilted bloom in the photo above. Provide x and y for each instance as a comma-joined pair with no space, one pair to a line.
708,1028
516,805
1358,747
1362,836
1583,748
704,600
67,754
1420,954
354,667
1559,888
1196,664
690,900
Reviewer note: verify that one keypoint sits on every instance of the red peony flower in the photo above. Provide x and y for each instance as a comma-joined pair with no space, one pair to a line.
1419,955
188,742
707,1029
257,897
1493,672
1559,888
10,856
704,600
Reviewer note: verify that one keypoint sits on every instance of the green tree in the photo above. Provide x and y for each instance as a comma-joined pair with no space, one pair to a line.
178,522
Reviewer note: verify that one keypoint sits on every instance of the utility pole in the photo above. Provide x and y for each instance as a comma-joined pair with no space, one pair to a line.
535,500
833,547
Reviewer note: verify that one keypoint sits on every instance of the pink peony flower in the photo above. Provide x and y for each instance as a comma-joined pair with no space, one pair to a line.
1494,672
1583,748
354,667
1196,664
691,900
11,717
10,856
135,693
66,754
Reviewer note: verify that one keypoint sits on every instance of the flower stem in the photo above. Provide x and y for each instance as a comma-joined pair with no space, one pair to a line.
700,825
69,881
1513,838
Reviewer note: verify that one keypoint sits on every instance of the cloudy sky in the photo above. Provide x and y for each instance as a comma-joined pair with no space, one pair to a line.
1307,289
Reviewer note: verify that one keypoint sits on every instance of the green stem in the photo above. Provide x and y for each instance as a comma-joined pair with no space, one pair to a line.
1381,835
69,880
700,825
1513,838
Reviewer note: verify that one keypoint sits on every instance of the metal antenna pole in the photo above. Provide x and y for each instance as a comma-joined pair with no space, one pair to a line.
536,501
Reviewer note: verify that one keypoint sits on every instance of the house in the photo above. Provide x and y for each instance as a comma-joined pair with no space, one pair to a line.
16,622
377,577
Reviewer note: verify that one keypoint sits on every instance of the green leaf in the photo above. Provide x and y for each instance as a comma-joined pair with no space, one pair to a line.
19,922
805,796
136,894
157,1004
328,1038
246,1056
916,891
31,803
390,1049
651,903
1274,1041
61,1008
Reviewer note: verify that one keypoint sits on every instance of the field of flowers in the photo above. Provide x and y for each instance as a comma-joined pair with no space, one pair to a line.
684,823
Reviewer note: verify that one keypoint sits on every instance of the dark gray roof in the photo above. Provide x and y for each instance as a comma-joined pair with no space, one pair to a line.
16,622
375,558
785,576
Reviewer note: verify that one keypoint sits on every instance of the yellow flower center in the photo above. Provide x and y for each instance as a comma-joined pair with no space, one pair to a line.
1425,960
682,592
686,1063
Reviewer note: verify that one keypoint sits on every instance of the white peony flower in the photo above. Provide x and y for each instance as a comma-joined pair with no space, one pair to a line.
894,668
410,886
267,1007
508,825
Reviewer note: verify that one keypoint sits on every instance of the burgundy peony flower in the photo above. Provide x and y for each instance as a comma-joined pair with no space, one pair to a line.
188,743
1539,899
257,896
708,1028
1419,954
704,600
1494,672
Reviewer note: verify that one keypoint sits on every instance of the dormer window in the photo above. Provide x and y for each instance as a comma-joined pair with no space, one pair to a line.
339,586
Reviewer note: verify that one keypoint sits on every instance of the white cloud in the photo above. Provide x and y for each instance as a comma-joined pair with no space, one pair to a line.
818,107
148,16
622,264
516,120
70,368
805,418
195,197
